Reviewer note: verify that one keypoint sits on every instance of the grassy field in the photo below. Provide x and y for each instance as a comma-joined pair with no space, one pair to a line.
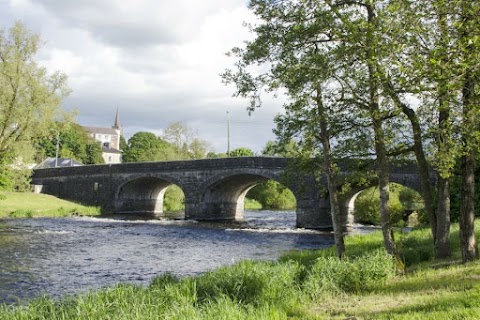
309,284
28,205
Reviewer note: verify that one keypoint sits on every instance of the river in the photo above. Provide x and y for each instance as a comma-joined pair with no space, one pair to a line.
65,256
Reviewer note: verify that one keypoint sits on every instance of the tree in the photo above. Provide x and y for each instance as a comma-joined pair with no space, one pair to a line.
288,38
445,55
198,148
282,148
123,143
146,146
185,141
241,152
74,142
352,69
273,195
213,155
30,96
468,25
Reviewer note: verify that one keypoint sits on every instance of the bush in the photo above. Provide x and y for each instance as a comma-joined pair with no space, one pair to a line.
174,199
402,200
273,195
14,179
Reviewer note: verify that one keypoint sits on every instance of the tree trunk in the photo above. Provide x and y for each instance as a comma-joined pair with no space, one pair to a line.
468,241
442,243
442,240
338,222
380,144
383,181
422,164
424,173
423,169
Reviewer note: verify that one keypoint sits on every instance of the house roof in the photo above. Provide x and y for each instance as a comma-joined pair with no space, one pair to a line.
110,150
62,162
98,130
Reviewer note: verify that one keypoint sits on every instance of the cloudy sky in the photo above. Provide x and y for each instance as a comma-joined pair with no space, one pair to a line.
158,61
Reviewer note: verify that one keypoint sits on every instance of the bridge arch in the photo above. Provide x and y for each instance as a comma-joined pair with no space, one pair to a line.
349,199
143,194
223,196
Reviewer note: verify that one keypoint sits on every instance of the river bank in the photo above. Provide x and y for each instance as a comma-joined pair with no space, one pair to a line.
31,205
308,284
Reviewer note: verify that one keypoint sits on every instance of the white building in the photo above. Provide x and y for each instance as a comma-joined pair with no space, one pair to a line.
109,139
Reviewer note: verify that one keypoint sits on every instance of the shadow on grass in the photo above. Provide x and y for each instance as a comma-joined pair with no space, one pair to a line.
453,280
454,304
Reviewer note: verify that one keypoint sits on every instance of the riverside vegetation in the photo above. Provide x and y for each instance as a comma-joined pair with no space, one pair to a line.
300,285
29,205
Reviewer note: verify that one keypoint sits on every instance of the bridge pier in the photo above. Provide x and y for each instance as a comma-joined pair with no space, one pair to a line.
314,214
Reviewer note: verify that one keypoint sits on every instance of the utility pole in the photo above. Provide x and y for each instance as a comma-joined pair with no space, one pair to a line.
228,134
56,150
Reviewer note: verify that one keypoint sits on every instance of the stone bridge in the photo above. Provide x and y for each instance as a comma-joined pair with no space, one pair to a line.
214,189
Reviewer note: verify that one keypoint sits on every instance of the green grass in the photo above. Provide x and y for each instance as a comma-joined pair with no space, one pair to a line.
30,205
309,284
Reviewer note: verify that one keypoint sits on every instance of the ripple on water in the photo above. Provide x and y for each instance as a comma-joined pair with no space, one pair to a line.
67,256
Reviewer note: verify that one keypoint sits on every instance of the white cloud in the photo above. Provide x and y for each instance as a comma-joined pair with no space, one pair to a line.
158,61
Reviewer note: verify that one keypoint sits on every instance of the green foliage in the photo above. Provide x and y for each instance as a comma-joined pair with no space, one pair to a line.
14,179
250,282
123,143
174,199
30,95
25,213
402,200
349,275
285,148
146,146
251,204
241,152
213,155
185,142
177,143
273,195
74,142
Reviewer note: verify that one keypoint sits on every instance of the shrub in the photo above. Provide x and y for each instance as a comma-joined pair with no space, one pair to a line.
273,195
174,199
402,199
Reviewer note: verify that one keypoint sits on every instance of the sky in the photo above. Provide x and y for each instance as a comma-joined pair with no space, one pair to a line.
156,61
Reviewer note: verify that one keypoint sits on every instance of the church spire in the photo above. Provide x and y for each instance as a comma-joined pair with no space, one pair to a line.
117,124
